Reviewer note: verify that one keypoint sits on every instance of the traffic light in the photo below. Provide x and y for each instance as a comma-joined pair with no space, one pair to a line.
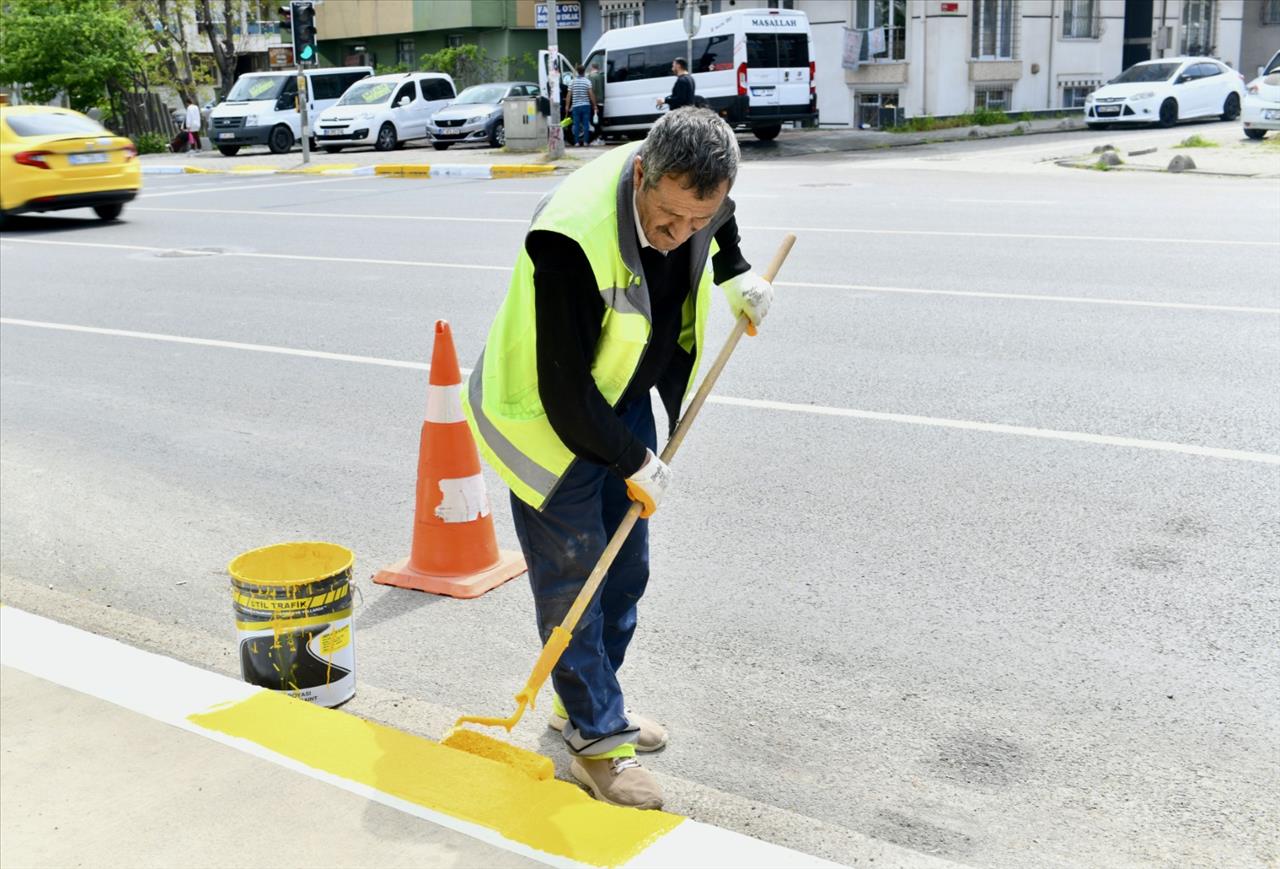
303,19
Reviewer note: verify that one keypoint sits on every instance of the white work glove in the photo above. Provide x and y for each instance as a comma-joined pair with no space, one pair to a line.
649,484
749,294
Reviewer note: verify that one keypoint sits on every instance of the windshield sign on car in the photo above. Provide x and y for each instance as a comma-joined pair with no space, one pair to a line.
257,88
366,94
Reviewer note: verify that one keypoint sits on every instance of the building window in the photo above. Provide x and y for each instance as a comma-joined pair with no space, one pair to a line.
620,13
877,111
993,29
993,99
883,24
1073,94
1271,12
1080,19
406,56
455,40
1197,27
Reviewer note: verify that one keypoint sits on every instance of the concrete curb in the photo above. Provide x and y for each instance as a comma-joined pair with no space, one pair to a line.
394,170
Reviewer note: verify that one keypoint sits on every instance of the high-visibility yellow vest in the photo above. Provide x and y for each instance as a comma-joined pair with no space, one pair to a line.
593,206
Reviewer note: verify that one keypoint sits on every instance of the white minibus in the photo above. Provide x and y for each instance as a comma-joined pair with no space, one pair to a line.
261,107
754,67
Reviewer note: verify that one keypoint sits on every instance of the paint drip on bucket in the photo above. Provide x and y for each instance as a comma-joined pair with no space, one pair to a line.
293,617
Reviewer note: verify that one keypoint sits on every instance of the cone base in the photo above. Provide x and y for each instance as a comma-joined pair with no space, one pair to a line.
402,575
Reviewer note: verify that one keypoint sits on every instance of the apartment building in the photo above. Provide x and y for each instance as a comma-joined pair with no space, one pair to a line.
948,57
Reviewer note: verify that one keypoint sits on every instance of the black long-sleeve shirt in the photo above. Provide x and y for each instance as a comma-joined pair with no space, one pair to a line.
681,92
569,310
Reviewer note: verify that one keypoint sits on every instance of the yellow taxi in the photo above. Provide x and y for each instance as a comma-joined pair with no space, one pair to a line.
52,159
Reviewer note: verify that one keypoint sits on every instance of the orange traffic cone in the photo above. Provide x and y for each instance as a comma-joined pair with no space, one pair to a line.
454,549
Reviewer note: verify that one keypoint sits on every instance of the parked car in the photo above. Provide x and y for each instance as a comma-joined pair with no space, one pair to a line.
476,115
384,111
1262,100
53,159
1167,91
261,107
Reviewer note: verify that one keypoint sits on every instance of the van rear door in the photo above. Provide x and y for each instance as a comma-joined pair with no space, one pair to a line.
778,68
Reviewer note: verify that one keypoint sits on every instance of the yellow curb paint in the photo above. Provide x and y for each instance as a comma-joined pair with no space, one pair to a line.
507,170
317,170
551,816
404,170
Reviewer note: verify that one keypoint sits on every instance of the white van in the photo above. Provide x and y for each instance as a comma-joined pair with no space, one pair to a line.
754,67
261,110
384,111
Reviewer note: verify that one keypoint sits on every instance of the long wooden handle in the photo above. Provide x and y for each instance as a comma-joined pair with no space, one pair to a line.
669,452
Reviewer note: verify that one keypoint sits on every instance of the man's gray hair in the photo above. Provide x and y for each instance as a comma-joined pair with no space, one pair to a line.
696,146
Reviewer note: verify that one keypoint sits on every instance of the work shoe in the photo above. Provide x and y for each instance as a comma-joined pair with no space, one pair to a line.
619,781
652,736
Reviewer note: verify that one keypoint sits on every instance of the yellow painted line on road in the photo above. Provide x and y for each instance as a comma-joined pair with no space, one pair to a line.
551,816
756,403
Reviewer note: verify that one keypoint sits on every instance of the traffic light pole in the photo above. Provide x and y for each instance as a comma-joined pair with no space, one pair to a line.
303,97
555,132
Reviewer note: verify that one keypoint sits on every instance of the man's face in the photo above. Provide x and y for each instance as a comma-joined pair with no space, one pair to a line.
670,213
675,68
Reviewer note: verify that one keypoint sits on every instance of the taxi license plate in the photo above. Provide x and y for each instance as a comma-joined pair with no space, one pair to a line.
1108,110
226,135
82,159
1271,114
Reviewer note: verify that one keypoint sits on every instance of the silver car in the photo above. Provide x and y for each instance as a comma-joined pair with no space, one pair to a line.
476,115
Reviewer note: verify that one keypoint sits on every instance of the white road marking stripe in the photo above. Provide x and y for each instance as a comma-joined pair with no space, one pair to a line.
1131,239
868,288
759,404
251,255
1006,201
214,188
1036,297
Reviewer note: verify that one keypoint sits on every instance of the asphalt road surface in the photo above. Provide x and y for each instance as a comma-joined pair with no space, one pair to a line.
975,553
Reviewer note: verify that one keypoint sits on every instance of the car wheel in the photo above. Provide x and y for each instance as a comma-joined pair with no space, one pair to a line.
386,140
229,150
1231,108
333,149
498,136
767,134
281,140
1255,134
1098,126
1169,112
441,146
109,212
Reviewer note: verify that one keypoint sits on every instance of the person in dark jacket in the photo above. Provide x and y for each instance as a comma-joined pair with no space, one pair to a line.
682,90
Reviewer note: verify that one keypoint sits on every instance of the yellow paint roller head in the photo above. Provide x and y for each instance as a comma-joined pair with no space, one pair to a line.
530,763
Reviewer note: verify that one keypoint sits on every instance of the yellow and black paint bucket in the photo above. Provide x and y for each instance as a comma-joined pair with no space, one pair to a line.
293,616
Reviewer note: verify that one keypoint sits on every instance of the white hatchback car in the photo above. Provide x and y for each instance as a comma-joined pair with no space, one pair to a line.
1262,101
1167,91
384,111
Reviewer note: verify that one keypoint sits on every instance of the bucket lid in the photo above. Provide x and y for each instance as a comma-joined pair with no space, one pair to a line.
285,564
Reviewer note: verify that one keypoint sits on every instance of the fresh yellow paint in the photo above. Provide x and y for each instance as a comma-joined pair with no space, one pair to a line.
551,816
291,564
53,158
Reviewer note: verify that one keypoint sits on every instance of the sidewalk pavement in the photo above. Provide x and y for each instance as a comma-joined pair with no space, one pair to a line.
1228,152
117,756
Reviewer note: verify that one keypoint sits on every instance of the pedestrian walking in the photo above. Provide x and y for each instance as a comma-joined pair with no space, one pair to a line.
582,102
192,125
682,91
597,87
608,301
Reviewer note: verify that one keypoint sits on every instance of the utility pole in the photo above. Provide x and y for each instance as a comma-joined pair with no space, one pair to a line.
555,133
692,21
302,23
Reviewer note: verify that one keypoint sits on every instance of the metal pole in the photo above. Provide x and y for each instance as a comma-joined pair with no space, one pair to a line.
555,133
302,107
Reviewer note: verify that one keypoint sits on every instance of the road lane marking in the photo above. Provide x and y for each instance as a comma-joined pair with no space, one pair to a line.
1006,201
867,288
755,403
215,188
933,233
1036,297
864,288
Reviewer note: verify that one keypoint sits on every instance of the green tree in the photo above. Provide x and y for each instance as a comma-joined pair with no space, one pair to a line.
465,64
83,48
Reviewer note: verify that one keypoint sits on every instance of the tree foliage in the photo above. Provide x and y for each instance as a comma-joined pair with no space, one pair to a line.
168,25
83,48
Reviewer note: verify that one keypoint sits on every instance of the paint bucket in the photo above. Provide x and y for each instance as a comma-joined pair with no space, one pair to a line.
293,617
